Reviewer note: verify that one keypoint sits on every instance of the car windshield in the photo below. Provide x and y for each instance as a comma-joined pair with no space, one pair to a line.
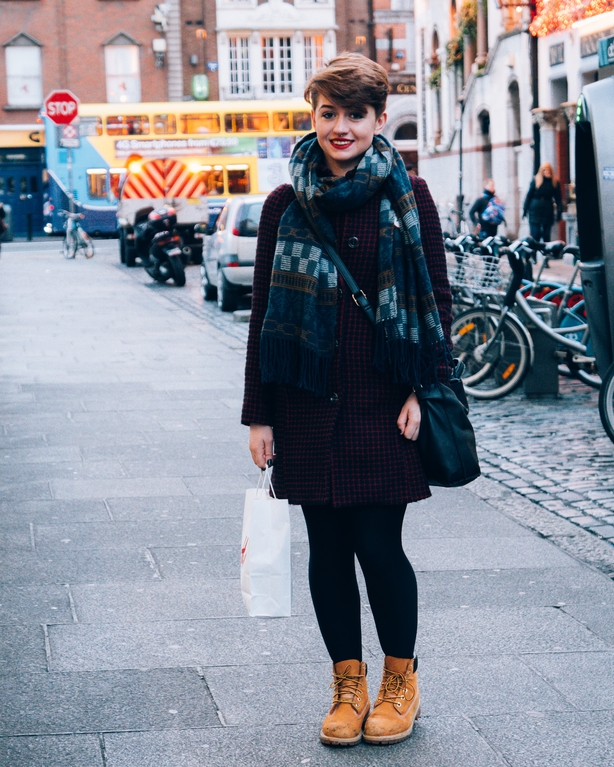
249,217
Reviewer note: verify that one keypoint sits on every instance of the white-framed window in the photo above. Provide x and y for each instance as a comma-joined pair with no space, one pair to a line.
314,54
123,73
239,65
277,65
24,78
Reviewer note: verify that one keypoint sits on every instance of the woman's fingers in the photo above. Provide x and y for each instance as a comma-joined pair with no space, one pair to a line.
409,418
261,444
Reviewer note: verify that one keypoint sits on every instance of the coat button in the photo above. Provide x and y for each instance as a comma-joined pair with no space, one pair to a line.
353,242
335,398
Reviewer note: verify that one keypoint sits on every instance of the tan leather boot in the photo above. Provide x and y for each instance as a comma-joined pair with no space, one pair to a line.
397,705
342,725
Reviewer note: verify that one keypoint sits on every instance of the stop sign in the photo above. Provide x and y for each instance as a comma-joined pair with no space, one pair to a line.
61,107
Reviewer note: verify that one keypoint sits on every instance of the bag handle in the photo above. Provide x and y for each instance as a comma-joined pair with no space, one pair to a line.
360,299
265,480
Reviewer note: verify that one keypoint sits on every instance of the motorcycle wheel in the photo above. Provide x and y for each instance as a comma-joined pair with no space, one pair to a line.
177,270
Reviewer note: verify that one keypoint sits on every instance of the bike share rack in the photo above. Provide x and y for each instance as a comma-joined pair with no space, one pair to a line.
595,210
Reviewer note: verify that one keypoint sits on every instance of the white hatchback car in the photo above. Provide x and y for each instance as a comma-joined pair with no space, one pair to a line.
227,270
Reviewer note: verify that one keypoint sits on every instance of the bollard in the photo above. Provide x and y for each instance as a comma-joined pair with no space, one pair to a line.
543,378
29,226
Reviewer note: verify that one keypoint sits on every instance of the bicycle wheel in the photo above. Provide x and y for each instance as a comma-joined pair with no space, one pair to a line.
493,372
86,244
606,402
68,247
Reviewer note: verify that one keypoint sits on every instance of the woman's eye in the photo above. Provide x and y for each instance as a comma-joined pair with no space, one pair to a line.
327,115
357,115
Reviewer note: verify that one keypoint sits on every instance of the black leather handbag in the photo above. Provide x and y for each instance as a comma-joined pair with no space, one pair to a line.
446,441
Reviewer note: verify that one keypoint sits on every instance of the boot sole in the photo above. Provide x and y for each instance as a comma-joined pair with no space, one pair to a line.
389,740
340,742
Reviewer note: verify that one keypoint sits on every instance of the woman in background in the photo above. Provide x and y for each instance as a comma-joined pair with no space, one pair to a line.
543,195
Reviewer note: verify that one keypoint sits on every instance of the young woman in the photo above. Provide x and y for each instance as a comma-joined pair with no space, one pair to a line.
336,393
543,196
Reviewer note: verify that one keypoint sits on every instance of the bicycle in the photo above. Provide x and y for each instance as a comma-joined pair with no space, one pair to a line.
496,347
76,238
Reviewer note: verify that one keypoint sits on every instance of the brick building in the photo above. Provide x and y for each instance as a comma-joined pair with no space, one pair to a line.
100,49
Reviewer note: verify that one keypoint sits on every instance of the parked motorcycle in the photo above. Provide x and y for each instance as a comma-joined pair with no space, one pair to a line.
159,245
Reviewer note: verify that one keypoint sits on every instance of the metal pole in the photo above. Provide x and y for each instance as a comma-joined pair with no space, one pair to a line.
371,31
71,199
460,200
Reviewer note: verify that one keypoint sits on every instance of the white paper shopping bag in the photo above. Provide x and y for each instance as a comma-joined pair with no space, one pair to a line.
266,580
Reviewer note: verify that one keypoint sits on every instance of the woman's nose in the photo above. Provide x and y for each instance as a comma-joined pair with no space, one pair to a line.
341,125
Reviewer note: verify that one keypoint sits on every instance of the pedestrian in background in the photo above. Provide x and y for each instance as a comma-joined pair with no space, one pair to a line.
487,212
3,224
543,197
336,394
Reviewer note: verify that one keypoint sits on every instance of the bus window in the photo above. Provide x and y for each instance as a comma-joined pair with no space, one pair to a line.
301,120
97,183
239,123
200,123
128,125
164,124
281,121
238,179
116,176
213,178
90,126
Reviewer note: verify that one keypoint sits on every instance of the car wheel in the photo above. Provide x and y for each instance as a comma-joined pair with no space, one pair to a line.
209,291
227,296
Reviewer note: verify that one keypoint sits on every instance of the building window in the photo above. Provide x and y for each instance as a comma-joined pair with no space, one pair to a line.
277,64
314,55
123,73
239,65
24,72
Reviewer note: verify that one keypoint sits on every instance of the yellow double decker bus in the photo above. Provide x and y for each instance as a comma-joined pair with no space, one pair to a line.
177,149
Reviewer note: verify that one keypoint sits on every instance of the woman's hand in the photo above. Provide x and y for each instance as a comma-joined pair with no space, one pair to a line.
409,418
261,444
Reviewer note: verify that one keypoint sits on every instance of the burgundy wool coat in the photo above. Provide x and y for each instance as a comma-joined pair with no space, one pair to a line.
343,449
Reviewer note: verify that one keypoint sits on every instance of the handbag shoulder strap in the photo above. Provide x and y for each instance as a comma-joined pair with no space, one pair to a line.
360,299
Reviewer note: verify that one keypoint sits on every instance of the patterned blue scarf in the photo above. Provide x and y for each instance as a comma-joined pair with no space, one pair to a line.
298,333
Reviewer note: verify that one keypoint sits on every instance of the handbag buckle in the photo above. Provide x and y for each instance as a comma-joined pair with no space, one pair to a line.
360,293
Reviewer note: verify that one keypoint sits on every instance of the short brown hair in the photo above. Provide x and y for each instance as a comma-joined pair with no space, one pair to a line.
350,80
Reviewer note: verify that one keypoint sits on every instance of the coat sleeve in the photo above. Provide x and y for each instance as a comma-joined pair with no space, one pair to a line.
476,211
434,252
258,404
528,198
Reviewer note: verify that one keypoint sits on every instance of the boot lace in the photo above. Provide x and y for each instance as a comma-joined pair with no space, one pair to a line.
346,686
393,688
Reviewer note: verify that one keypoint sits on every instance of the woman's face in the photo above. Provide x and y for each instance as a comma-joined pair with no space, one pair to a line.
344,133
547,171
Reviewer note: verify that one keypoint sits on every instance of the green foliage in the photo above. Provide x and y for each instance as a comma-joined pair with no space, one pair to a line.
468,18
454,52
435,78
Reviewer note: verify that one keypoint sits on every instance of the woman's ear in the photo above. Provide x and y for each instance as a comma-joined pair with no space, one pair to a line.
380,122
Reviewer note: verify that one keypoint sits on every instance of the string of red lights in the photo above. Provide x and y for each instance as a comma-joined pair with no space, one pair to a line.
557,15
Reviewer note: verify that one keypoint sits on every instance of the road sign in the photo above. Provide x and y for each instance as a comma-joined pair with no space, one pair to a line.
61,107
69,136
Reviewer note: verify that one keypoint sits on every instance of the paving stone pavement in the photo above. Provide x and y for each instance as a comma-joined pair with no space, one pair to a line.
123,638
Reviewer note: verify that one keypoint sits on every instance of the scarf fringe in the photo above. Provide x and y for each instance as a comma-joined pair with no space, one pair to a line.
409,363
289,362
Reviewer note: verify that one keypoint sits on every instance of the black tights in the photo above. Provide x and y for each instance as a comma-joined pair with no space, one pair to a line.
373,534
